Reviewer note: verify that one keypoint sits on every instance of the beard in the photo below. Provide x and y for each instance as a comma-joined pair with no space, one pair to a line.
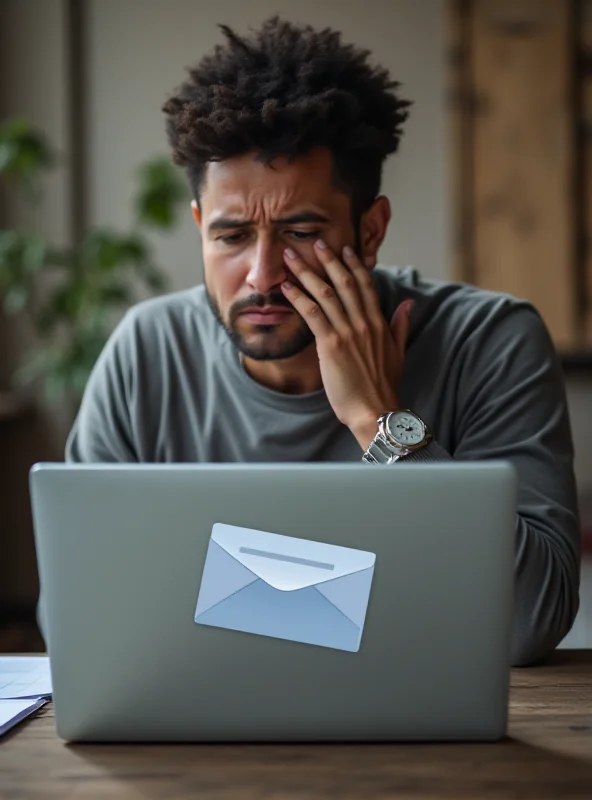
269,343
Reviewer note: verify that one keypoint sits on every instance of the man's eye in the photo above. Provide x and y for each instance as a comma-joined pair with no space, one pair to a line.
233,238
301,235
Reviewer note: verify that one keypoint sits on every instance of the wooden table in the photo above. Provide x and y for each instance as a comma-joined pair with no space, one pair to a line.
548,754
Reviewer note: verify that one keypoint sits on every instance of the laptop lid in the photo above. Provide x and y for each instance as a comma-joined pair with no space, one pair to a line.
420,558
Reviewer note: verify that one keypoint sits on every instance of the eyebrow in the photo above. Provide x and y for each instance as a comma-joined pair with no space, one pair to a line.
226,223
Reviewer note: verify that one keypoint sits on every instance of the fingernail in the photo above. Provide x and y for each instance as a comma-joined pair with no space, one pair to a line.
347,251
369,261
289,252
287,285
321,244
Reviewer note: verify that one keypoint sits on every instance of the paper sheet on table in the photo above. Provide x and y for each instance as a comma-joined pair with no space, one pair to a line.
14,711
24,677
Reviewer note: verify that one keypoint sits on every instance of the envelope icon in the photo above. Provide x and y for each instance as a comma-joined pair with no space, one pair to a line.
287,588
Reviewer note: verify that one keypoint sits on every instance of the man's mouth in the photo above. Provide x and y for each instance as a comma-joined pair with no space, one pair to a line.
273,315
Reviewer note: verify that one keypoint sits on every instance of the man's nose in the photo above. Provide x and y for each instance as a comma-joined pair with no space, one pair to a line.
267,268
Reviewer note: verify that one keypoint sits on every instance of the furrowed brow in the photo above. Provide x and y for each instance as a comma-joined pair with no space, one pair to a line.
302,217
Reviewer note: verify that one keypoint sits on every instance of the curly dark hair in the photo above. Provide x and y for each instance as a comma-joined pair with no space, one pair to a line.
282,92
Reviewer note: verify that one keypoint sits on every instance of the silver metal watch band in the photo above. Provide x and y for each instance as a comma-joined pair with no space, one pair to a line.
380,452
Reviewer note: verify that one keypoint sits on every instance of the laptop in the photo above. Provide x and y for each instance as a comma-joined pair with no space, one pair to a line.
277,602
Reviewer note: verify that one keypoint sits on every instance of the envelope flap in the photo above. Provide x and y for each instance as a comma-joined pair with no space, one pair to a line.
288,563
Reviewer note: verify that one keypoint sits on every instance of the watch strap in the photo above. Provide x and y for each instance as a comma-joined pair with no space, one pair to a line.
380,452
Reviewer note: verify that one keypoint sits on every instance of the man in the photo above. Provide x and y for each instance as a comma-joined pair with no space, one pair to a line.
298,343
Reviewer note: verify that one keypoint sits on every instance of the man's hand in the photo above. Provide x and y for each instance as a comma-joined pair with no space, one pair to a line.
360,356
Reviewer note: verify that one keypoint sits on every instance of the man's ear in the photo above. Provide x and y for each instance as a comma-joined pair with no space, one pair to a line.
373,229
196,213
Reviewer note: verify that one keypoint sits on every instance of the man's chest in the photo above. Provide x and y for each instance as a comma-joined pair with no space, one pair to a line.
243,430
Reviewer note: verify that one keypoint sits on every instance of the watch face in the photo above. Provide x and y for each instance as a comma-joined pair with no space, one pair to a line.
405,428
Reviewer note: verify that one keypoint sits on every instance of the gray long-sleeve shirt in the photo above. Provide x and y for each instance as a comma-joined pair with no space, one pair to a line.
480,369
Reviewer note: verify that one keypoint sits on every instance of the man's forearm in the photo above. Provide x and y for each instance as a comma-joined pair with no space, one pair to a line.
546,592
546,581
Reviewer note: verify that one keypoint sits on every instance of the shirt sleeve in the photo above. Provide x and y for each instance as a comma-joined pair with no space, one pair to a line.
512,405
102,431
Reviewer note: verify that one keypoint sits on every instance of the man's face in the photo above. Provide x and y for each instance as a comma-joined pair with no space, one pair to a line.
250,213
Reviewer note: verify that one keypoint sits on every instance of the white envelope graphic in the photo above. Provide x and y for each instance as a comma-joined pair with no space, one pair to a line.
287,588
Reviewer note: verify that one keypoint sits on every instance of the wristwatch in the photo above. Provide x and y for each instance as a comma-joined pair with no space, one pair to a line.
399,434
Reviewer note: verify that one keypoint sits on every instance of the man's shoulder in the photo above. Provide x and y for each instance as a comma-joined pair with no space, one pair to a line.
451,304
185,311
411,282
153,329
171,305
451,318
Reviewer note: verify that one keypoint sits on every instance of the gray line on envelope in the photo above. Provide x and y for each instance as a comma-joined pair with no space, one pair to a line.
250,551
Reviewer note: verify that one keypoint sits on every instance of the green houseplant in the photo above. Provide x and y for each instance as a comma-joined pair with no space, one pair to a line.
71,295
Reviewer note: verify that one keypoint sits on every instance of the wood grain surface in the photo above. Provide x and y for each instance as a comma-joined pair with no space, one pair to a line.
584,34
520,195
548,754
523,161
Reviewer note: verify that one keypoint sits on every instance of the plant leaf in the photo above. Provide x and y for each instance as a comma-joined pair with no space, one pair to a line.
15,299
134,249
24,150
115,294
34,364
101,249
155,280
56,386
161,191
88,283
34,250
